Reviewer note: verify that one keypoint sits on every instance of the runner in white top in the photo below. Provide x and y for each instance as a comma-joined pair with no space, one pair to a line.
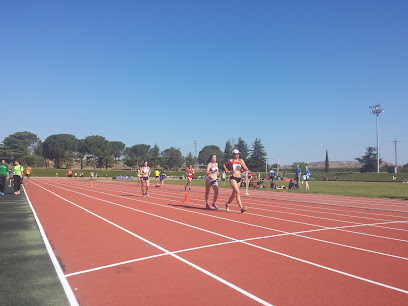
212,180
145,170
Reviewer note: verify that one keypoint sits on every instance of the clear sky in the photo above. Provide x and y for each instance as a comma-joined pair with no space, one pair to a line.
298,74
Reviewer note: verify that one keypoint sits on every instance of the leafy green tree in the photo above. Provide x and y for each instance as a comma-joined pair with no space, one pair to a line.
257,161
207,151
136,155
82,151
326,163
130,158
99,151
117,149
173,158
19,145
60,148
189,159
155,156
227,151
243,148
369,160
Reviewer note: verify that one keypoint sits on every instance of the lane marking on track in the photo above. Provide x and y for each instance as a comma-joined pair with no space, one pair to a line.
297,208
208,246
243,242
304,223
65,285
340,228
221,280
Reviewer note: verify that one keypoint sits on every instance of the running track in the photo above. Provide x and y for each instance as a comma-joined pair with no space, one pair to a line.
116,247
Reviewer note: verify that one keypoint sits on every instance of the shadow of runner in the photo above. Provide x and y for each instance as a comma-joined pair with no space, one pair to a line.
190,207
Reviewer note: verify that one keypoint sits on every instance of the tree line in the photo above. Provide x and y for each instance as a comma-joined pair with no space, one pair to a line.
98,152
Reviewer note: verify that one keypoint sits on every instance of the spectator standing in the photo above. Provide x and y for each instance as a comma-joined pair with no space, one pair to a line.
271,176
162,177
28,173
17,174
10,175
307,175
3,176
297,176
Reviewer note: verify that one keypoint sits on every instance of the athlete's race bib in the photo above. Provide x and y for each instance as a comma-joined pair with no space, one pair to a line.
236,167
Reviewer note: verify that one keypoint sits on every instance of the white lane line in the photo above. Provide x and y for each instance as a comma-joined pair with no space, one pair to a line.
221,280
255,201
246,243
272,229
303,223
322,218
67,288
342,228
219,244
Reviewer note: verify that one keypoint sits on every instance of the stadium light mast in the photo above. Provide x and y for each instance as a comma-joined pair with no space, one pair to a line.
377,110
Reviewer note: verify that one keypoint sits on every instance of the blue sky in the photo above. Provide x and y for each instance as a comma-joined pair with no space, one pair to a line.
300,75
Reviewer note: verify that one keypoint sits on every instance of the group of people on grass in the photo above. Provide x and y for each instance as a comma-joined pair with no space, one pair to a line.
14,175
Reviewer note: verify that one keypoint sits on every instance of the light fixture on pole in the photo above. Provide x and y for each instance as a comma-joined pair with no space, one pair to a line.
377,110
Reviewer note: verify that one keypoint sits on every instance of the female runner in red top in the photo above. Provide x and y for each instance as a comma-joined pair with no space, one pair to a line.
212,180
145,171
190,173
237,165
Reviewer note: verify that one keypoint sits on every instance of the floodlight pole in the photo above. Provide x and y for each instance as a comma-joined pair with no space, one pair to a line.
377,110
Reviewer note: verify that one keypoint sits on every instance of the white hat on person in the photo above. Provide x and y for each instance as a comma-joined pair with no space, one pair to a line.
235,151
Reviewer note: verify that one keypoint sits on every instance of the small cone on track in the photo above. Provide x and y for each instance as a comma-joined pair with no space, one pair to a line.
91,185
186,199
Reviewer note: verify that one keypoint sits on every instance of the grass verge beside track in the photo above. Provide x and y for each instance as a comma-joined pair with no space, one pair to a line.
27,276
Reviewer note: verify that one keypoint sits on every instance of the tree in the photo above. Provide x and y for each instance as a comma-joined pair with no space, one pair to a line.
227,151
99,151
155,156
257,161
19,145
243,148
369,160
117,148
207,151
173,158
60,148
189,159
82,151
136,155
326,163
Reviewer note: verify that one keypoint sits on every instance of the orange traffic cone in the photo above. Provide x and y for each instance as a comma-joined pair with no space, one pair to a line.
91,185
186,199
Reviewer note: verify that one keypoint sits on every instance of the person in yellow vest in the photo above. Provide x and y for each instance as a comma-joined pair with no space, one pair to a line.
157,174
17,174
28,173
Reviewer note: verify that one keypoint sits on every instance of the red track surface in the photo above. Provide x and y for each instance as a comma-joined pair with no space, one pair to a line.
118,248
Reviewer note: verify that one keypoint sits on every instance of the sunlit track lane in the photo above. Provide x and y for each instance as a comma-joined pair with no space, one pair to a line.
184,212
283,224
80,240
153,228
277,224
292,282
160,281
380,268
393,247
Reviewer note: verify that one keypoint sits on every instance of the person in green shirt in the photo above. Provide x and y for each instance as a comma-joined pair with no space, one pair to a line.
3,176
17,174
